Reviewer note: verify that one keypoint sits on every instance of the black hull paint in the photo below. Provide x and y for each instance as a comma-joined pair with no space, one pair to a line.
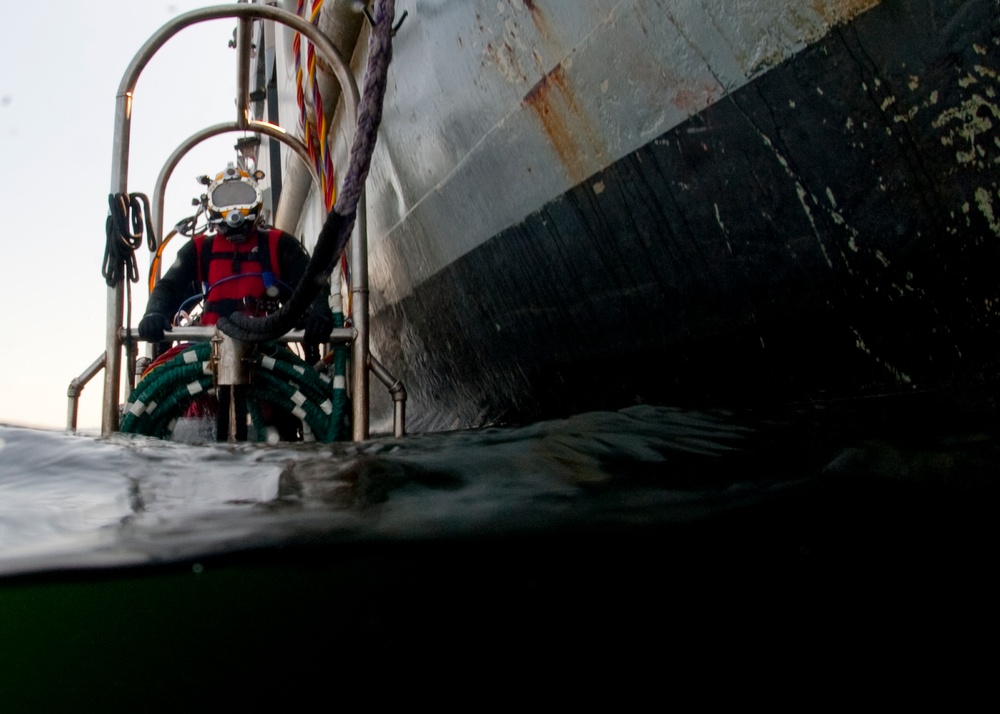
819,233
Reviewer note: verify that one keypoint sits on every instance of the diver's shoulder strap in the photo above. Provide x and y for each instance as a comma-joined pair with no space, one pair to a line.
203,246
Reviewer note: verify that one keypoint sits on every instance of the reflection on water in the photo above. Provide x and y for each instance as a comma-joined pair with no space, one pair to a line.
77,501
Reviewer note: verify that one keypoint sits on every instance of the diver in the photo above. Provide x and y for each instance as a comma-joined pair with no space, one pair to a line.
237,265
241,266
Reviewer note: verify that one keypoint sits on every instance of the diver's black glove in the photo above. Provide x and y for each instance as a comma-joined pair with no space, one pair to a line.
152,325
316,331
317,328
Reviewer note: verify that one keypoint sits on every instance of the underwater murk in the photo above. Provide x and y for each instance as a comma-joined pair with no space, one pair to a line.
138,568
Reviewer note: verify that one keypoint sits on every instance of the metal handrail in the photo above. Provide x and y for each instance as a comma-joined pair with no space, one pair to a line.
341,335
270,130
76,388
398,392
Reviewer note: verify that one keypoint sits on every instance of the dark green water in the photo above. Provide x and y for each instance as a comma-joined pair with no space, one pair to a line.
156,575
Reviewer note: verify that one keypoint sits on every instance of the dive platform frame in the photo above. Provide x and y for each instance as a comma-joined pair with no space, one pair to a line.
357,334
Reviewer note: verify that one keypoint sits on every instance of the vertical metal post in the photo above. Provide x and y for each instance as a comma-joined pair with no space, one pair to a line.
116,293
244,40
359,312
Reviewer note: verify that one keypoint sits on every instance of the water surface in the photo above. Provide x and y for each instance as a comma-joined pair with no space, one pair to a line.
805,526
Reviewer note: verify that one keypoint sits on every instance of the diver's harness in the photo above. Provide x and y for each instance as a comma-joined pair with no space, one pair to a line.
220,273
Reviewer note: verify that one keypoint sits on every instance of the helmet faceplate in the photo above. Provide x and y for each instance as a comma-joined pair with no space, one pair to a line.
234,200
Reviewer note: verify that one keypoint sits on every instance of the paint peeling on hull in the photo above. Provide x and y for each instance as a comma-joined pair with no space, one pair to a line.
838,12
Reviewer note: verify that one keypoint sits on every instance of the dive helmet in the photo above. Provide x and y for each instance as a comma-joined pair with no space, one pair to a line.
235,200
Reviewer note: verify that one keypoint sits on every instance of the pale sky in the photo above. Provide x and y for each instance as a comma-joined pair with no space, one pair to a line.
63,62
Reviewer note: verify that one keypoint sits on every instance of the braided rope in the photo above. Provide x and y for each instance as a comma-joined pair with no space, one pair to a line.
317,142
315,130
297,53
370,111
339,222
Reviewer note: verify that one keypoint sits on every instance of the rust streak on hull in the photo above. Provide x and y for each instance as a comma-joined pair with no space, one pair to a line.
567,127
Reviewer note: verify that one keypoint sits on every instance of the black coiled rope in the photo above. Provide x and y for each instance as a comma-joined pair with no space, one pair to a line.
119,250
123,239
339,222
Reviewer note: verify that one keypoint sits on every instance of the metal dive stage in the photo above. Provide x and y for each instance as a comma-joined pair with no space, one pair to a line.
227,352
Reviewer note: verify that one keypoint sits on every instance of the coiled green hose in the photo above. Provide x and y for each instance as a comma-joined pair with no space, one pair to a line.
279,378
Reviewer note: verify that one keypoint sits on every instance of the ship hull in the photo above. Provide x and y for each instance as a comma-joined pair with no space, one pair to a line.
830,228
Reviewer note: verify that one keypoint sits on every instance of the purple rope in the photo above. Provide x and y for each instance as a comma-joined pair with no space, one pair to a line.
340,220
370,111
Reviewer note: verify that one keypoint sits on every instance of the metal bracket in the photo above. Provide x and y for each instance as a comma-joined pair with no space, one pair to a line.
363,7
